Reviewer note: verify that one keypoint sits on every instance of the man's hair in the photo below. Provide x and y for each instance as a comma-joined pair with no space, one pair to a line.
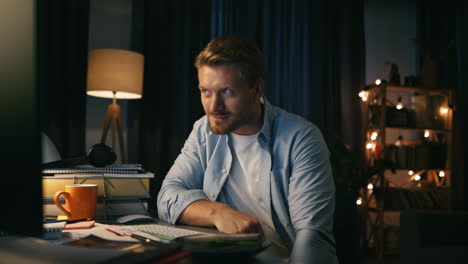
233,50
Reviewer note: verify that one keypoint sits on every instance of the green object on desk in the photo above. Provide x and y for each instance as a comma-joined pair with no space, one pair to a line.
161,236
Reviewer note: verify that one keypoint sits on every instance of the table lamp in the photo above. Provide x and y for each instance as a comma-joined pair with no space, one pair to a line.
116,74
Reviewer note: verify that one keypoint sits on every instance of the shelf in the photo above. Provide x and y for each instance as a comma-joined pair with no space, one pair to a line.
409,89
444,131
432,192
436,130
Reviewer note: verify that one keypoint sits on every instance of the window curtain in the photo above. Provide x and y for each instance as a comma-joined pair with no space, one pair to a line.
314,58
442,38
62,61
460,130
174,32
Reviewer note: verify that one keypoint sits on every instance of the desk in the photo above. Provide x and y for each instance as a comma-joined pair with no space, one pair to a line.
33,250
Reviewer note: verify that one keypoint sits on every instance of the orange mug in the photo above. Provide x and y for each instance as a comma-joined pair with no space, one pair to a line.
80,201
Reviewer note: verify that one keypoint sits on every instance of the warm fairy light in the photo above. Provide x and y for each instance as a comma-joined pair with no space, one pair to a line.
398,141
378,81
359,201
364,95
410,172
441,174
370,186
427,133
444,110
369,146
417,178
399,105
374,135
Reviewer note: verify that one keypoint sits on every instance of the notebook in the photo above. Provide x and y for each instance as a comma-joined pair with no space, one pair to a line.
53,230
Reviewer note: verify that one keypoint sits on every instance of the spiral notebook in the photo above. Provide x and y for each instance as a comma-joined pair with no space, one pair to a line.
110,171
53,230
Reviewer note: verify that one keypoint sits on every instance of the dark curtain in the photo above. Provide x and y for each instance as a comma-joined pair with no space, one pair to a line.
62,62
314,57
442,39
174,32
460,144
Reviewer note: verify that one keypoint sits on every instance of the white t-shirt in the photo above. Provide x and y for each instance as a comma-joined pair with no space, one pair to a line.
241,190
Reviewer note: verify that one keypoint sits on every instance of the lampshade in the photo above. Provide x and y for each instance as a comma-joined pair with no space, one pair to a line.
115,70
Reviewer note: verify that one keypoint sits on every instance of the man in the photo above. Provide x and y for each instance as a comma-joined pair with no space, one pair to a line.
248,166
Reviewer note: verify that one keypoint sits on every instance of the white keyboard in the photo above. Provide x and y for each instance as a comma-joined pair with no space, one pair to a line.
165,232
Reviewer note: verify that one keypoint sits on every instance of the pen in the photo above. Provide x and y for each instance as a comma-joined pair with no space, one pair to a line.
114,232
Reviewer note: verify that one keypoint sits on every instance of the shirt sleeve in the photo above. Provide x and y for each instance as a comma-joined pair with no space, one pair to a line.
183,183
312,199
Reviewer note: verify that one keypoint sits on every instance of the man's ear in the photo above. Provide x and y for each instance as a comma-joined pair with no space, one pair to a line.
259,87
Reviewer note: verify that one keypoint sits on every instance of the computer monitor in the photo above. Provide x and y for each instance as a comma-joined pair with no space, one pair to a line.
20,175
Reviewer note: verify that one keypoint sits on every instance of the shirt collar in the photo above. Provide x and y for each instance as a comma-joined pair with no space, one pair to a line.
267,120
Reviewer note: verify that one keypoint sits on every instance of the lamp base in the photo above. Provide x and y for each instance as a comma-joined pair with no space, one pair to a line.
113,118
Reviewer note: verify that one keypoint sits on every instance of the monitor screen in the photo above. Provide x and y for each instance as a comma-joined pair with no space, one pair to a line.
21,181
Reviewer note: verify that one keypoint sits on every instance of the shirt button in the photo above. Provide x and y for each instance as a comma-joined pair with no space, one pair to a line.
212,196
223,170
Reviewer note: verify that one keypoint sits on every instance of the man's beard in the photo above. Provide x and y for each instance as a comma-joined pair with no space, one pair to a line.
227,127
222,128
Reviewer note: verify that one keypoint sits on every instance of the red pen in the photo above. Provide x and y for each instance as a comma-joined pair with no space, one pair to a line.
114,232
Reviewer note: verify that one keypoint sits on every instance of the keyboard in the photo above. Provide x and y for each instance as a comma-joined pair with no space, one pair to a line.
165,232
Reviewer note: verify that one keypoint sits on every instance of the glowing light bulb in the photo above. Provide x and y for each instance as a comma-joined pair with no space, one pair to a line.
374,135
369,146
398,141
378,82
364,98
362,94
417,178
410,172
359,201
399,104
441,174
370,186
427,133
443,110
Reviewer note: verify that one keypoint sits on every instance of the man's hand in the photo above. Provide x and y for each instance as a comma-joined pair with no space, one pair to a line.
230,221
224,218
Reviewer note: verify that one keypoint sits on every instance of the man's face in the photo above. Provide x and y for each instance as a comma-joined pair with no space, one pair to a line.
229,103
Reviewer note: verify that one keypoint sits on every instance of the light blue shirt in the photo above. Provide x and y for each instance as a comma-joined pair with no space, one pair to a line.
297,174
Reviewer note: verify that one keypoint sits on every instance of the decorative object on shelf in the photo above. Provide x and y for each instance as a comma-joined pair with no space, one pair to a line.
116,74
394,75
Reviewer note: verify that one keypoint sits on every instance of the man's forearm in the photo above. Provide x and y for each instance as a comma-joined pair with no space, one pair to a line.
200,213
219,215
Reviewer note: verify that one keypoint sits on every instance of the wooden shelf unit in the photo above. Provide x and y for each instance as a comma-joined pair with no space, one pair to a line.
377,105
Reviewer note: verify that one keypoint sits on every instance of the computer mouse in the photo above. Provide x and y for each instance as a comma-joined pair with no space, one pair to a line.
134,219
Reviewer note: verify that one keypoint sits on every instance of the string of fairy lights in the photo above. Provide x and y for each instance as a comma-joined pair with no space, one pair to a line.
373,149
